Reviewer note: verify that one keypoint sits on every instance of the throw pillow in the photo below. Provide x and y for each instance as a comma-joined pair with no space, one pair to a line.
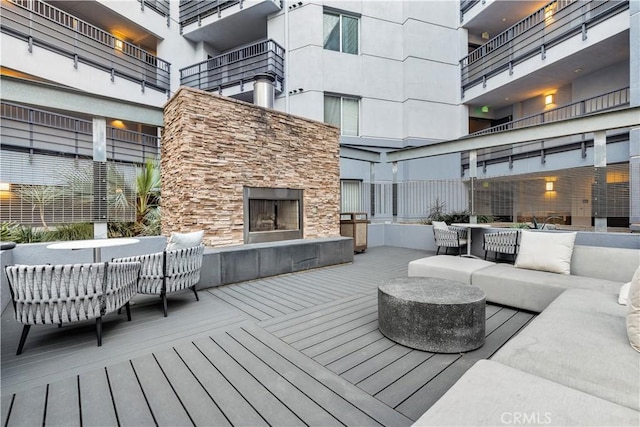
623,296
440,225
546,251
633,312
184,240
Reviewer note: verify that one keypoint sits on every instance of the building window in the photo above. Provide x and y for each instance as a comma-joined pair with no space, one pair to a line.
343,112
340,33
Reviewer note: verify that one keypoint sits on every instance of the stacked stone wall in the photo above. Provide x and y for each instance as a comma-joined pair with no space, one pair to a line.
212,147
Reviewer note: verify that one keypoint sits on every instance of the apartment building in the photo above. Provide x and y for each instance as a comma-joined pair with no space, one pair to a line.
85,82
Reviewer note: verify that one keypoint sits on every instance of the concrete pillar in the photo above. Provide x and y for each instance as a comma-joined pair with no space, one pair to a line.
473,176
600,174
634,134
100,185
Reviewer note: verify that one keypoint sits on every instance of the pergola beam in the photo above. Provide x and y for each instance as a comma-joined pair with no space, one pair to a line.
359,154
618,119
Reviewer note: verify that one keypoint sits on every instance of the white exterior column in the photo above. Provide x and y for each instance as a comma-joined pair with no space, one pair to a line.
634,134
99,178
600,172
473,176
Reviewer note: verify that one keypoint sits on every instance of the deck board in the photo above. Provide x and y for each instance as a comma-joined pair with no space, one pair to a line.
198,403
297,349
62,403
96,405
267,405
166,407
132,408
235,408
309,412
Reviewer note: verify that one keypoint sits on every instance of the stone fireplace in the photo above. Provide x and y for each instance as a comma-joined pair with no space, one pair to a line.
247,174
272,214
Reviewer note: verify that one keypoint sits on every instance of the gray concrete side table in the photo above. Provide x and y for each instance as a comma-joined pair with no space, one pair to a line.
432,314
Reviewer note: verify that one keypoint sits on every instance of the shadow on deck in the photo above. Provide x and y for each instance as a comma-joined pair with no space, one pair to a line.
296,349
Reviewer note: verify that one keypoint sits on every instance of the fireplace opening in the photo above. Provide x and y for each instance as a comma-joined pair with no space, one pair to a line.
272,214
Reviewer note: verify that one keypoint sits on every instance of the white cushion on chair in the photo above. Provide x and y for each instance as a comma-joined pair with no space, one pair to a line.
440,225
184,240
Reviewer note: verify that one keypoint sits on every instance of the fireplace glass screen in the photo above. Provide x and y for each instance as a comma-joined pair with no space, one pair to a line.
272,215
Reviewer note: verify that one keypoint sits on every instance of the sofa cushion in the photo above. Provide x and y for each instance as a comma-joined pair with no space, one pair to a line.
623,296
447,267
492,394
546,251
616,264
633,311
580,341
530,289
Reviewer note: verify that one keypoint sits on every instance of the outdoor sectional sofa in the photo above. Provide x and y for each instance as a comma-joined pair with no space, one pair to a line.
572,365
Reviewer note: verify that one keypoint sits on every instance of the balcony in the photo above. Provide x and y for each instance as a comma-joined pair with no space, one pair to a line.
40,24
225,24
160,6
232,70
607,101
547,27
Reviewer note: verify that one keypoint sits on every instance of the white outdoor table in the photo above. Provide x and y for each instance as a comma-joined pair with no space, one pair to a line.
470,229
95,244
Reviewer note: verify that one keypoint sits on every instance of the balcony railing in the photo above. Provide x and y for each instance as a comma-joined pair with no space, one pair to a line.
40,24
194,10
236,67
616,99
160,6
465,5
550,25
40,131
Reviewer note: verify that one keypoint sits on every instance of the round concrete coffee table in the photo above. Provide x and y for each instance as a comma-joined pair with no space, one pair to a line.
431,314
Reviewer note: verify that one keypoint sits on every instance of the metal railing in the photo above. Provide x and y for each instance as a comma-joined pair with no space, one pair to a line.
505,198
194,10
40,24
236,67
160,6
34,130
465,5
616,99
548,26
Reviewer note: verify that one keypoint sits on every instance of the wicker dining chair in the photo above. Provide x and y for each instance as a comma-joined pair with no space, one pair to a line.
447,236
168,271
501,242
60,294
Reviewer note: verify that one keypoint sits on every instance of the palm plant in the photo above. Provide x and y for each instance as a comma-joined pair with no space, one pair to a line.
40,196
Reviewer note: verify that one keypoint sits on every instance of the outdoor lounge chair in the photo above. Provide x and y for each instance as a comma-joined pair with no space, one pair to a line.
169,271
503,242
58,294
448,236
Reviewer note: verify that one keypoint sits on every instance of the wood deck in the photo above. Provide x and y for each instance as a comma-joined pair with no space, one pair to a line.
298,349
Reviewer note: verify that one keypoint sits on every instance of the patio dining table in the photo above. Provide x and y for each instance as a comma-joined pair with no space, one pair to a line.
95,244
470,226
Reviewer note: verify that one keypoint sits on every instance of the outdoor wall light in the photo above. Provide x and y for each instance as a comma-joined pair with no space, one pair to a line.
549,186
5,186
119,44
485,109
549,99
